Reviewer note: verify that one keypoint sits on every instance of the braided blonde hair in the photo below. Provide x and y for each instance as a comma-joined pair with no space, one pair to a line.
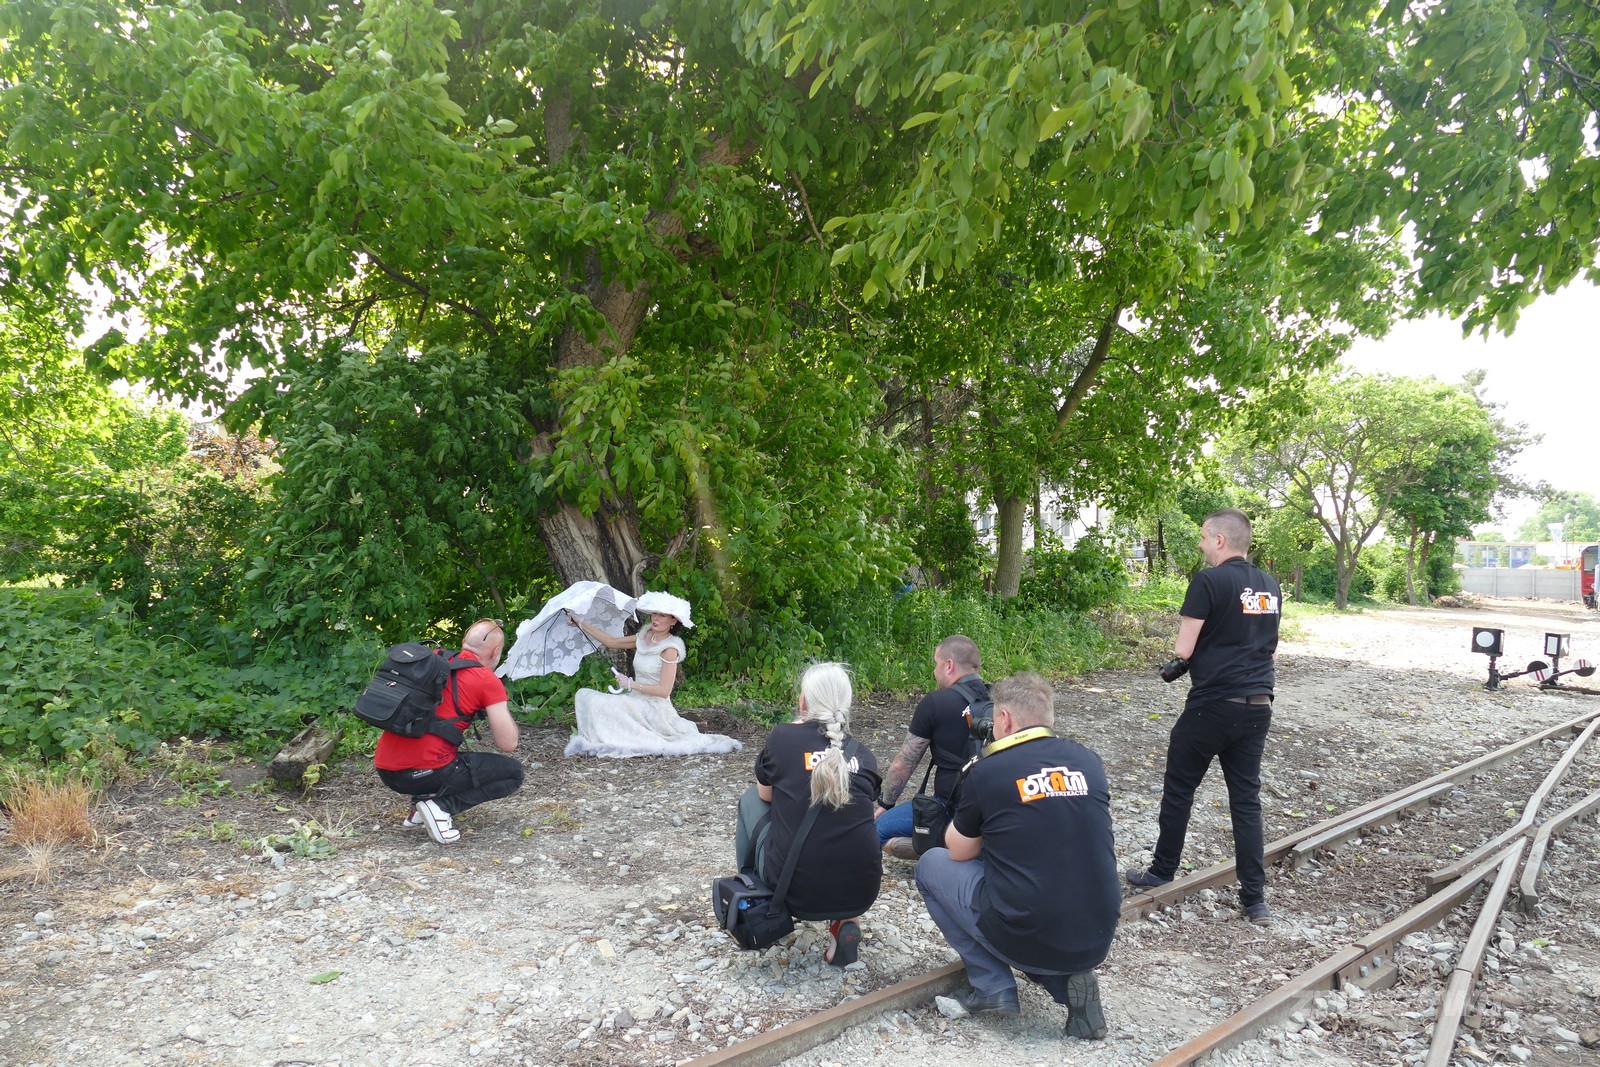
827,692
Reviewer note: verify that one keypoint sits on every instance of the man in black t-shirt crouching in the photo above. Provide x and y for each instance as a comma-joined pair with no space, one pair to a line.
941,724
1227,643
1028,877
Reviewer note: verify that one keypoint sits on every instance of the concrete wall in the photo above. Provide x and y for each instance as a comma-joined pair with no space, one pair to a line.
1523,581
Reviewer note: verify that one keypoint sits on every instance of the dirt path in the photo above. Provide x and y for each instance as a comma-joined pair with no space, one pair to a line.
569,925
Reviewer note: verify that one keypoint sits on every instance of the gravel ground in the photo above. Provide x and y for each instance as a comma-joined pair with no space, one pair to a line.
569,925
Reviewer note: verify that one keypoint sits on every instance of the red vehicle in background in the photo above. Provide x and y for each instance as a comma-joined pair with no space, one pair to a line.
1586,567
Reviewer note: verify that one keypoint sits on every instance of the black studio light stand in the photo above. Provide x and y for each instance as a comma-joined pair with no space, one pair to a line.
1491,643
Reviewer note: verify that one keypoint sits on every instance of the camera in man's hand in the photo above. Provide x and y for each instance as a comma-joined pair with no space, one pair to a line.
1173,669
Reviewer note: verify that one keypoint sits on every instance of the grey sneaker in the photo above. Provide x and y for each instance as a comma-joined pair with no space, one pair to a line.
1143,879
1001,1003
1258,913
1086,1017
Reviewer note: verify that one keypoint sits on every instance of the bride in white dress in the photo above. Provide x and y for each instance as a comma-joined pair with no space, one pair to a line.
641,721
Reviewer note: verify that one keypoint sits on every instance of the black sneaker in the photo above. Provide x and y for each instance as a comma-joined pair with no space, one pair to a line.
1258,913
1141,877
1001,1003
1086,1018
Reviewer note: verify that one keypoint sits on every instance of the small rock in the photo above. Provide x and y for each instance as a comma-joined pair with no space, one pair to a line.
950,1009
44,918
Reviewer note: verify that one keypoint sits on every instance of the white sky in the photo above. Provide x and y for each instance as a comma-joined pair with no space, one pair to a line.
1546,374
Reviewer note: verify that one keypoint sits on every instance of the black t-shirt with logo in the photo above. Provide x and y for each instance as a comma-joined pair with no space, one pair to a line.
1240,605
841,864
1050,897
941,719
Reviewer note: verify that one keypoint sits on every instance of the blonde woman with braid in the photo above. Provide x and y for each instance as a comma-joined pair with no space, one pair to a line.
813,761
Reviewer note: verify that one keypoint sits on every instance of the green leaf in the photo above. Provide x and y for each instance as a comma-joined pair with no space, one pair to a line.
324,978
1053,122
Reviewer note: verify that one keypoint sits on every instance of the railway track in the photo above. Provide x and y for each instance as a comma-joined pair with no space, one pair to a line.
1533,788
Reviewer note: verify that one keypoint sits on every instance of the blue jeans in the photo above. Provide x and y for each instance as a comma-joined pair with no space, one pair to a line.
1235,735
896,822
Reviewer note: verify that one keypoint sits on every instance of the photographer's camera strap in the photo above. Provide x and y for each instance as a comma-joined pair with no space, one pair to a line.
1032,733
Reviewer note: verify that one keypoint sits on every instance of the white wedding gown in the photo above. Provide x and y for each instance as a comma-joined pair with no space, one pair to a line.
633,724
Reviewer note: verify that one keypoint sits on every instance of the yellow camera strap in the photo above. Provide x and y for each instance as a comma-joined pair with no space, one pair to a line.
1032,733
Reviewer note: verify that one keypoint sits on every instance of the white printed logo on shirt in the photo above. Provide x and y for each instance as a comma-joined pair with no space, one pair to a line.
1255,603
1052,782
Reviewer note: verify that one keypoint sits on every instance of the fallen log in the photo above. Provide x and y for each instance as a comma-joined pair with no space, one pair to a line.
310,746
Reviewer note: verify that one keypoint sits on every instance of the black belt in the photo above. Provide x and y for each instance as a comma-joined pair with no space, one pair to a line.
1258,698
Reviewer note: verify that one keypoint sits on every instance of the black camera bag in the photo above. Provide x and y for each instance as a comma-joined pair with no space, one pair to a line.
929,817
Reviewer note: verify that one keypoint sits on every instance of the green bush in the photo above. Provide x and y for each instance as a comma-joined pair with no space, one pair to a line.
1321,579
1088,575
1441,578
78,670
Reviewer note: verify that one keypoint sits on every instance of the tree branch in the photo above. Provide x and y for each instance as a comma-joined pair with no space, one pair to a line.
1091,369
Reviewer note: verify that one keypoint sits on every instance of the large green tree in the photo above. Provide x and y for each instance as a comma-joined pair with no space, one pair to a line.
1347,449
1469,472
565,188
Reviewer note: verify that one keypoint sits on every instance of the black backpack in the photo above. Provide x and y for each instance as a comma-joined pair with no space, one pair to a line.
404,695
980,708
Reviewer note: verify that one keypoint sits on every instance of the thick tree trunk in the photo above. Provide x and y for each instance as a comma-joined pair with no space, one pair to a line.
603,547
1344,565
1010,512
606,546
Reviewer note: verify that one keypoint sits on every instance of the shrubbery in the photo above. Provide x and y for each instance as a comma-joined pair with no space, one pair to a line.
78,670
1088,574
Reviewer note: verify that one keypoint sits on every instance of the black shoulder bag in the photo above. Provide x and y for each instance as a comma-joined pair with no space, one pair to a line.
753,913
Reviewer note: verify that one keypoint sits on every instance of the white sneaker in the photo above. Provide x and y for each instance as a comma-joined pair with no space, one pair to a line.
438,822
413,821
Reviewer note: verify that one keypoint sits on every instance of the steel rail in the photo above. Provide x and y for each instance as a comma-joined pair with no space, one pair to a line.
1353,964
1528,890
1342,827
1367,966
802,1035
1469,966
1524,824
1348,828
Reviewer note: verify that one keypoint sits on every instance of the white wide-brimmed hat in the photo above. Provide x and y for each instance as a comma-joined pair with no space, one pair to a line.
666,604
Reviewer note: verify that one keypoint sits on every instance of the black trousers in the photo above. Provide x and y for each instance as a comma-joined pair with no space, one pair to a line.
1235,735
468,780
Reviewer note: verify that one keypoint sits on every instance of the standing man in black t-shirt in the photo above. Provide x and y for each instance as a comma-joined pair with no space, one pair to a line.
940,723
1227,643
1028,877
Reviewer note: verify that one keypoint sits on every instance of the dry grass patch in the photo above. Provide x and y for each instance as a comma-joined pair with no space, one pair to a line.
44,811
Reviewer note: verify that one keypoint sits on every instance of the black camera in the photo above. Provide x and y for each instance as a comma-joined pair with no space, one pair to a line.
981,725
1173,669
